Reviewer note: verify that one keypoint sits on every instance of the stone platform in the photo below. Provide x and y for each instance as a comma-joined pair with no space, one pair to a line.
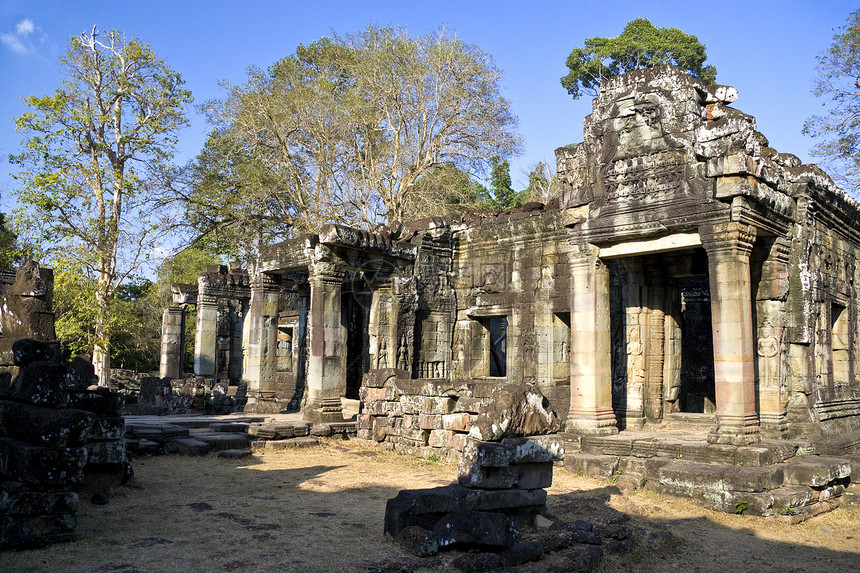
194,434
774,477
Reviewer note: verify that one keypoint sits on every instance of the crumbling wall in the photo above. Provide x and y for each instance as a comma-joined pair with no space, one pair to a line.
56,425
427,417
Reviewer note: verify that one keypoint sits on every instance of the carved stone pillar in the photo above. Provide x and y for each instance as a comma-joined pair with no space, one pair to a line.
172,342
772,400
590,353
634,342
729,246
206,336
261,359
326,381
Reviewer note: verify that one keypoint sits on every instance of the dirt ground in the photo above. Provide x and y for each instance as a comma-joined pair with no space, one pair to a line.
321,509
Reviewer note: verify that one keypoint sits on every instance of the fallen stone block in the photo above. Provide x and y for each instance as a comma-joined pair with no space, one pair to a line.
42,383
234,454
300,442
475,529
37,530
187,447
37,465
47,427
24,502
112,452
534,475
593,465
107,428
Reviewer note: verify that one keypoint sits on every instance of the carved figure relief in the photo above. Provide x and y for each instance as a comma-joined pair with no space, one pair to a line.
768,361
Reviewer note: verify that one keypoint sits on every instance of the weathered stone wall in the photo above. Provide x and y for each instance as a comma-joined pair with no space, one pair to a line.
56,425
427,417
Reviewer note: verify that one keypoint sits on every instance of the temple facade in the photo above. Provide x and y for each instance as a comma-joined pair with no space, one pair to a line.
689,273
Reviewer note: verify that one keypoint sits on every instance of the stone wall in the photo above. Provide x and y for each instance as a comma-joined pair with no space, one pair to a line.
58,430
426,417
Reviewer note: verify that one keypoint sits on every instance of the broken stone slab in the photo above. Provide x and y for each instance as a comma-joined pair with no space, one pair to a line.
42,383
149,448
320,430
230,427
516,410
300,442
187,447
423,507
464,529
47,427
157,432
38,465
816,471
16,499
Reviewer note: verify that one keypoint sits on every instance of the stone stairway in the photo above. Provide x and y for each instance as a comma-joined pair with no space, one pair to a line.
775,477
199,435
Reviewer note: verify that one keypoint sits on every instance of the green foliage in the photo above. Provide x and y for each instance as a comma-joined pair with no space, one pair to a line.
838,130
444,189
93,156
504,196
7,245
741,507
640,45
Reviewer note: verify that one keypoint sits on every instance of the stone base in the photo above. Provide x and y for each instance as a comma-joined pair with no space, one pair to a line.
264,406
327,411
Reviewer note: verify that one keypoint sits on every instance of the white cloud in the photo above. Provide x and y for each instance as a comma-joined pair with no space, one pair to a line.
25,27
18,40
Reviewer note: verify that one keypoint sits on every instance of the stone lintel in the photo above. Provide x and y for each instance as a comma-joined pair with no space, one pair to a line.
675,242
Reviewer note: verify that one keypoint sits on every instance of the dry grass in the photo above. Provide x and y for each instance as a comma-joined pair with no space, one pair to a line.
321,509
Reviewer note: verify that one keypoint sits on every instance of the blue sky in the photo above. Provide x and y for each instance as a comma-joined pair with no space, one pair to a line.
766,49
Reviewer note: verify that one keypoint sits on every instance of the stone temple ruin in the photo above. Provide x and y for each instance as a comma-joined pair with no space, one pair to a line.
690,300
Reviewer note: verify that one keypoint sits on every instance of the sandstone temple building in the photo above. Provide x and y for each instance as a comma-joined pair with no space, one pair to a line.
689,274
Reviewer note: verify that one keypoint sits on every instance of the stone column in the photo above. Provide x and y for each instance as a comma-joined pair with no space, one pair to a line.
172,342
729,246
261,360
590,355
772,290
206,335
326,379
656,343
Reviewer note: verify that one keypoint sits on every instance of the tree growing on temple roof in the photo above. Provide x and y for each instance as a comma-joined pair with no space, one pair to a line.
92,152
640,45
342,131
838,130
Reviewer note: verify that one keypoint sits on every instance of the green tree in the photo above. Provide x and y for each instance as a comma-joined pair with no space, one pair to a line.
504,196
342,130
7,245
640,45
92,155
838,130
443,190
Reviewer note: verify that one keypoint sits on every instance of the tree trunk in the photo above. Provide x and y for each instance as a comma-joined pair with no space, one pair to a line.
101,348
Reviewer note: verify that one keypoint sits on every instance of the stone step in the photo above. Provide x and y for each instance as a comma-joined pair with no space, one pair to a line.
222,440
157,432
230,427
300,442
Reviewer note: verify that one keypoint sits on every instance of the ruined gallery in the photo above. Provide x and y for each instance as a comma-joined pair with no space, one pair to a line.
692,294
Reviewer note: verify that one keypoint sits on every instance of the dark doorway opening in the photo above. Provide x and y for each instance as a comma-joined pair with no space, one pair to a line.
697,391
355,314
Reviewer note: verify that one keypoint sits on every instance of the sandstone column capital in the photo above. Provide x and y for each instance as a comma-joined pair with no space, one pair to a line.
732,239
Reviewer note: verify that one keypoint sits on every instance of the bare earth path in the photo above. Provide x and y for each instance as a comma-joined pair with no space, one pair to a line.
321,509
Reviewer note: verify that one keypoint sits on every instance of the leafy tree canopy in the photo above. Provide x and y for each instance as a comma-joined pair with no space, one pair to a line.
640,45
838,130
93,155
342,131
